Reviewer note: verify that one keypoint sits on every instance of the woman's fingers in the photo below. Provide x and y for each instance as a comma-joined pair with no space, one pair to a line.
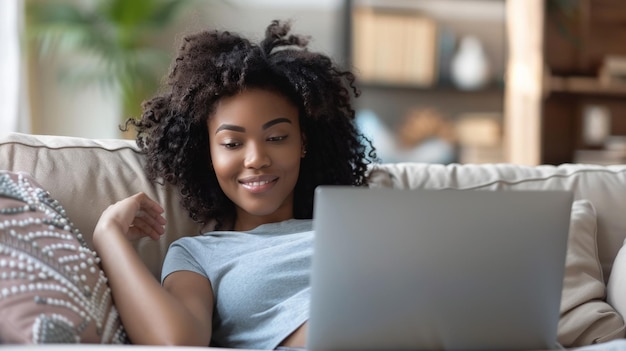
149,205
151,224
142,227
135,217
148,218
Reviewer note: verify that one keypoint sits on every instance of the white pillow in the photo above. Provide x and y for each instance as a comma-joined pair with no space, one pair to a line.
616,289
586,318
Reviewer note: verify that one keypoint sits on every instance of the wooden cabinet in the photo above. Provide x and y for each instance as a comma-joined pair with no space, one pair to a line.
582,38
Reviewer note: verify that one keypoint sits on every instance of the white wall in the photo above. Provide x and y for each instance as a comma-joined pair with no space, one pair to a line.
85,111
321,19
93,113
15,116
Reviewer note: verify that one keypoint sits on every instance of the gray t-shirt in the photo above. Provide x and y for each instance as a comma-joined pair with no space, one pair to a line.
260,280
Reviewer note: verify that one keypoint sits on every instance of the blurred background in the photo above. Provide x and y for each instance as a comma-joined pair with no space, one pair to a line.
432,72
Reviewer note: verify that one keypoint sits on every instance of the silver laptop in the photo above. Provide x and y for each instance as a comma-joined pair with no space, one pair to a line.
437,269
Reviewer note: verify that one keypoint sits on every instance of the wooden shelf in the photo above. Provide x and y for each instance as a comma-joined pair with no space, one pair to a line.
493,88
581,47
585,85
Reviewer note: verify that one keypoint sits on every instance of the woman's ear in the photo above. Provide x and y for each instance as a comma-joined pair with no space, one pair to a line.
303,148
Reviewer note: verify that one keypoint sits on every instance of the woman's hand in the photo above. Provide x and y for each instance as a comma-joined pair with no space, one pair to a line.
136,216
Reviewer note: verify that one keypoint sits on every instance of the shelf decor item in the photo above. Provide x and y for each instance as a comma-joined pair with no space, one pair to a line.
596,124
470,67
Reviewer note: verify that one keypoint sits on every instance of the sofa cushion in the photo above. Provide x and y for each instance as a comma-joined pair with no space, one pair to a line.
585,317
88,175
51,286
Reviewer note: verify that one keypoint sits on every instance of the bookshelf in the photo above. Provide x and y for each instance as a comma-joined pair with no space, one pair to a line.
401,52
584,91
559,63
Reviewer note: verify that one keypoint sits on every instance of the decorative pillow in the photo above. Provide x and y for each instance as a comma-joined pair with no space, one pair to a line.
585,316
52,289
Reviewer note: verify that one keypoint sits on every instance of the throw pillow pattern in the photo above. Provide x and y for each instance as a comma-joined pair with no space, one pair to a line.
52,289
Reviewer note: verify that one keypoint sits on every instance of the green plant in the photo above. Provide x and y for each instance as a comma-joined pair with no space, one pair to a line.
111,42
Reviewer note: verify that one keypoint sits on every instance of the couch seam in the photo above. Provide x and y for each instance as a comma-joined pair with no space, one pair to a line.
71,147
527,180
521,181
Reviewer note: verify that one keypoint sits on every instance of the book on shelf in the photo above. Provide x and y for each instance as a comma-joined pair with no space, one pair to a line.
396,47
612,152
613,69
599,157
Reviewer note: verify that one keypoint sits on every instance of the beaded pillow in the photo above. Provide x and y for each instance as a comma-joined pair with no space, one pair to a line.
52,289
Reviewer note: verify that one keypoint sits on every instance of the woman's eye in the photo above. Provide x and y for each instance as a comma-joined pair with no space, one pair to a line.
277,138
231,145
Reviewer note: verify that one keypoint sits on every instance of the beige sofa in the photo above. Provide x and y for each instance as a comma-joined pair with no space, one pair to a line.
87,175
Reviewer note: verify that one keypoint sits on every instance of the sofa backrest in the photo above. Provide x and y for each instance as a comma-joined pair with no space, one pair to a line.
87,175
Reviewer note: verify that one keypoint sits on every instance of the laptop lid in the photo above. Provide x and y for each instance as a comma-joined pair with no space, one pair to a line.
437,269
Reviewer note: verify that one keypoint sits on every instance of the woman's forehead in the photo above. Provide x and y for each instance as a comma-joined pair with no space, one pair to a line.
254,107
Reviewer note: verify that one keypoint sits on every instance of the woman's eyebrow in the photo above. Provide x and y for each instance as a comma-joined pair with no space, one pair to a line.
230,127
236,128
276,121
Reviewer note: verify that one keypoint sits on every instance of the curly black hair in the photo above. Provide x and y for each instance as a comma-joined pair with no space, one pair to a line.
173,134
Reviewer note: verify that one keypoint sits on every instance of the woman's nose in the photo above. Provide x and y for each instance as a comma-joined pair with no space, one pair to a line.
256,156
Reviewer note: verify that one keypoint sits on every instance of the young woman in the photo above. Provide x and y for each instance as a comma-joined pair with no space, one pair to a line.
247,131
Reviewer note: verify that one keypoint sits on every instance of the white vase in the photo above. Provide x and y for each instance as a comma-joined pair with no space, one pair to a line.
469,67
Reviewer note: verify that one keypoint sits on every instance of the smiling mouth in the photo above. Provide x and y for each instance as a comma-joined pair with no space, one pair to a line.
258,186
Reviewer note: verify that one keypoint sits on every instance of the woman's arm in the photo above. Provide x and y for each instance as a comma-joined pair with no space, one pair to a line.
178,313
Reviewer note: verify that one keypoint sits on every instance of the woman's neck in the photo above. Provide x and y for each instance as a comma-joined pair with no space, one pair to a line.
247,222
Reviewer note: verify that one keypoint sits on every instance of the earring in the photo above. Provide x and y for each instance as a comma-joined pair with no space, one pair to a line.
303,152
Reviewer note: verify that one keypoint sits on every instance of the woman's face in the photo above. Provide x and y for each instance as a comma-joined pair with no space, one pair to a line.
256,146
